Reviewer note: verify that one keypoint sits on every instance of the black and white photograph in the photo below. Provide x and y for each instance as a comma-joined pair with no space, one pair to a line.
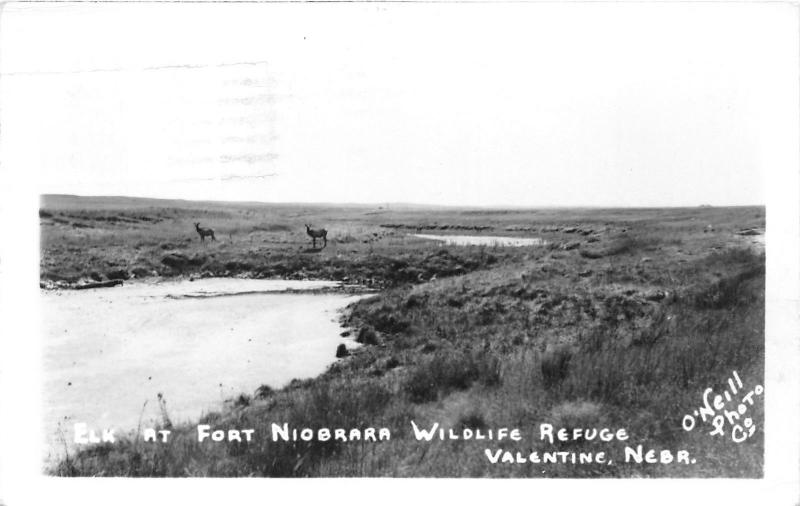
400,240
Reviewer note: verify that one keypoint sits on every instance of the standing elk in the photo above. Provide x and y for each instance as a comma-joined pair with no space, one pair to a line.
204,232
315,234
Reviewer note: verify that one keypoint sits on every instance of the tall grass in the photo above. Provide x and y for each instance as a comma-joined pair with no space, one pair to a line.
449,370
456,338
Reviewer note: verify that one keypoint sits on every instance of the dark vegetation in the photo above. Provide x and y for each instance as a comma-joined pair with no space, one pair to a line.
651,306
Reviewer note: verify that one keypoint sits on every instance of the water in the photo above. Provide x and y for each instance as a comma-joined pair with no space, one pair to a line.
107,351
483,240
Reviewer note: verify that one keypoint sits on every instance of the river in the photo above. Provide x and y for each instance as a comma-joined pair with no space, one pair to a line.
108,351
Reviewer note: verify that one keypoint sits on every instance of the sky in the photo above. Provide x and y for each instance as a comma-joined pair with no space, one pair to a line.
509,104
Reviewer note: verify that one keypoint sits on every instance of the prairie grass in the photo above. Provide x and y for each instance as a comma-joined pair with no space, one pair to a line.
449,370
656,310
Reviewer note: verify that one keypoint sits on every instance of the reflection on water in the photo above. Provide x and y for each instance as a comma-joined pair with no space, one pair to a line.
483,240
107,351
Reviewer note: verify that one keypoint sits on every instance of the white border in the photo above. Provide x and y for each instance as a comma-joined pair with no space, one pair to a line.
22,483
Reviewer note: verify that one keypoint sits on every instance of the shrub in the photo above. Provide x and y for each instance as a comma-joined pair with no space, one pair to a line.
591,254
367,335
391,323
472,420
118,274
727,292
264,391
449,370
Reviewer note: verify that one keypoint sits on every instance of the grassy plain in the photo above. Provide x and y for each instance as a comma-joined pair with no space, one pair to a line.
655,305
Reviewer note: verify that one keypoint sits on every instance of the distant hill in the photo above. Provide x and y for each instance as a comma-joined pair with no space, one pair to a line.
67,202
61,201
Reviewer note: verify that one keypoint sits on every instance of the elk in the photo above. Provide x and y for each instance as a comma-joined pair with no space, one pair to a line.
204,232
315,234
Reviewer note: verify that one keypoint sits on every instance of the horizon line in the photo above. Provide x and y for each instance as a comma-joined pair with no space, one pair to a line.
405,204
